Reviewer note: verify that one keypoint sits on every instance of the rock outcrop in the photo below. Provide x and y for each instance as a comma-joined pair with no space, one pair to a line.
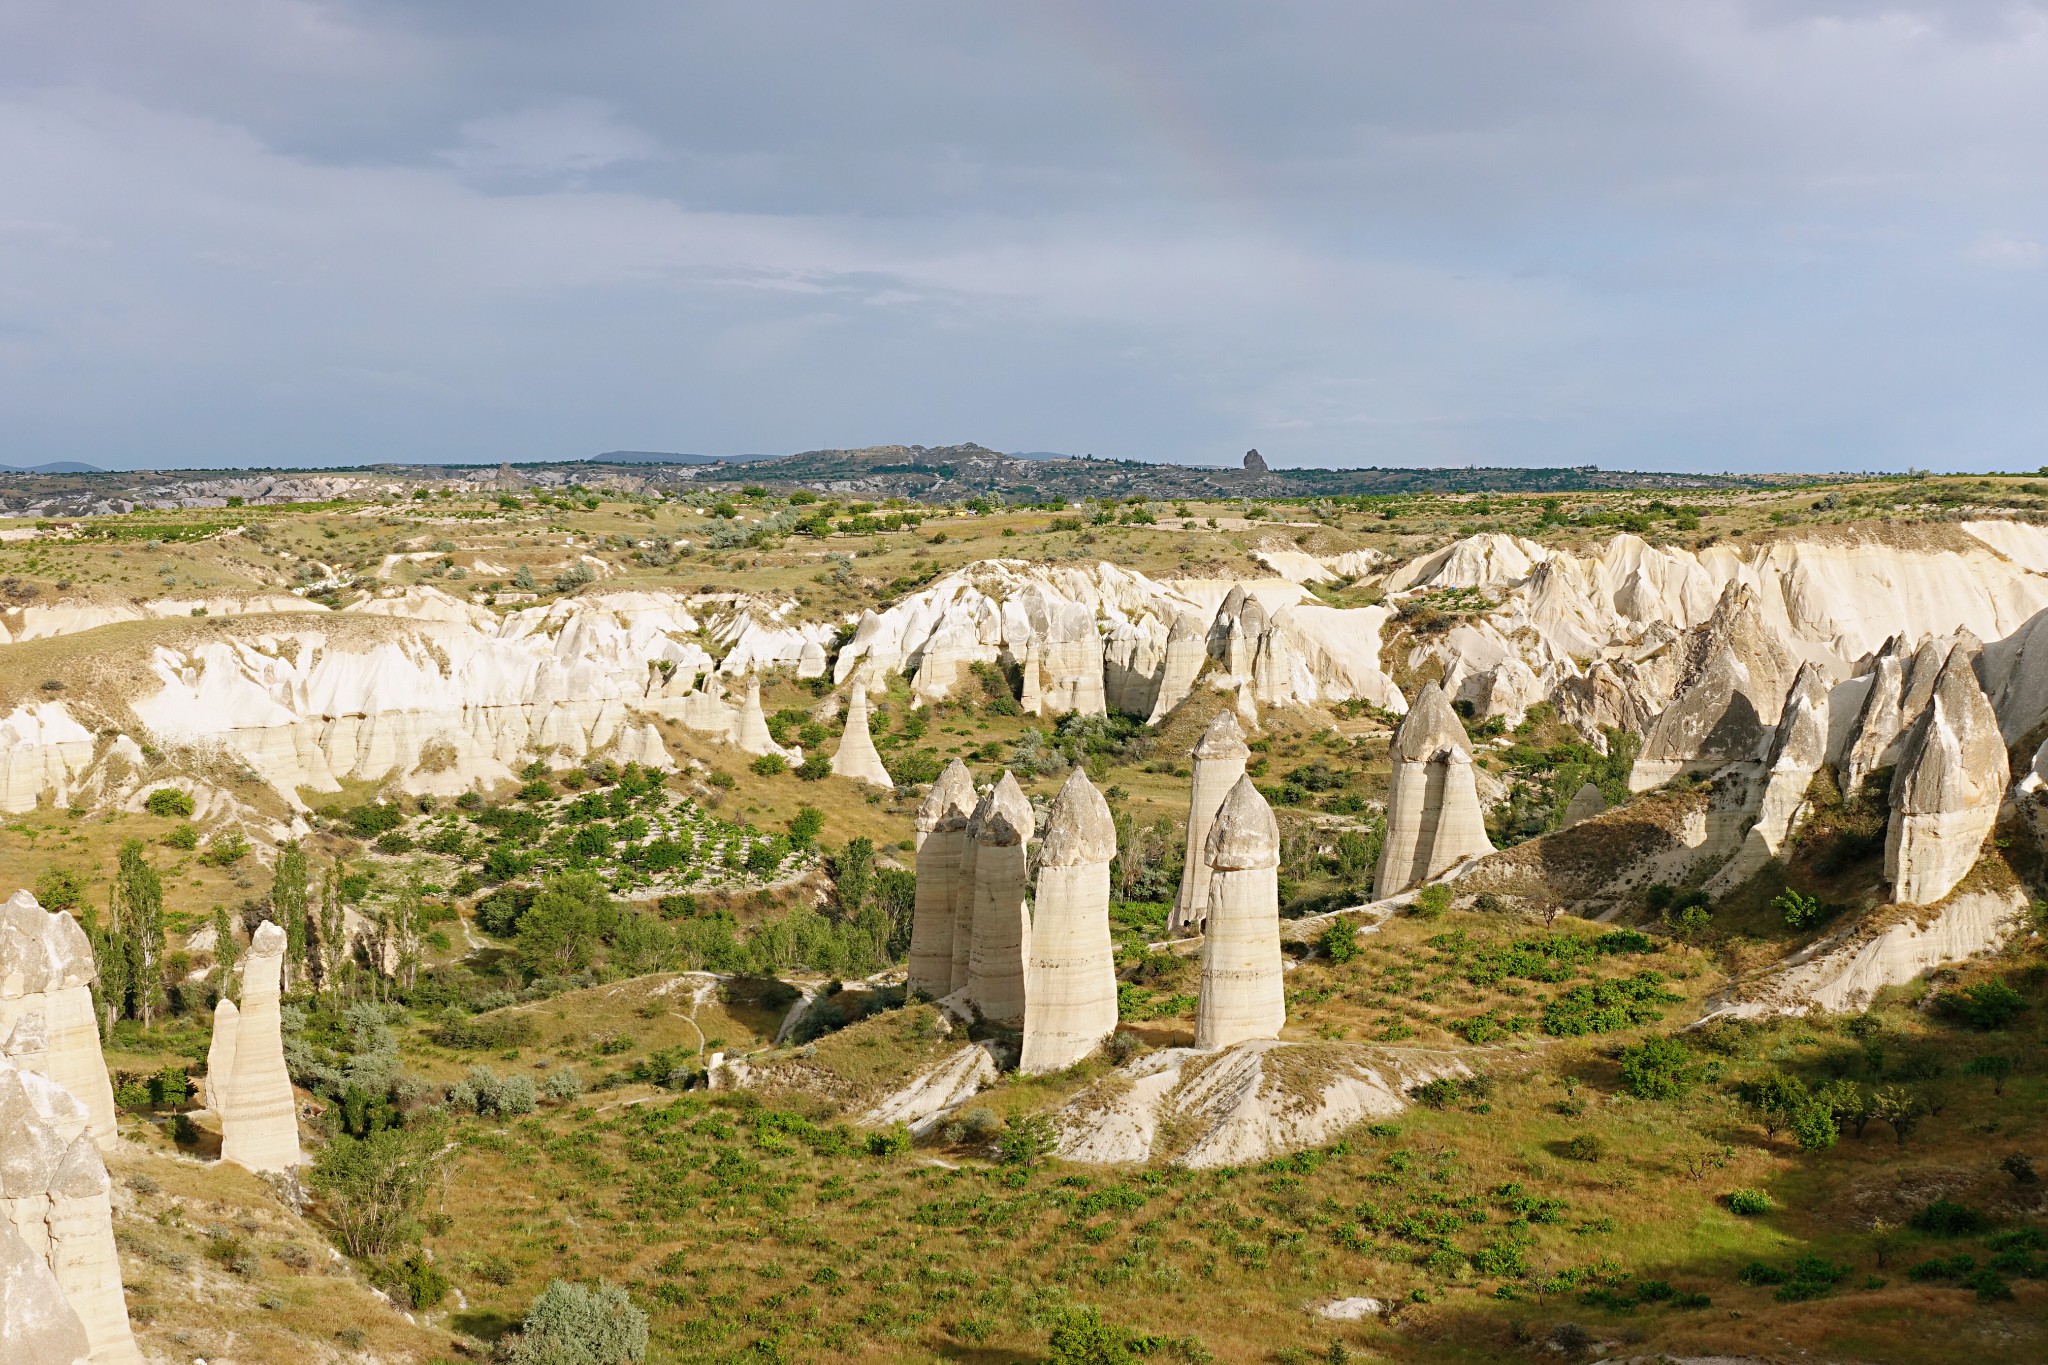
259,1117
750,731
37,1326
856,757
55,1198
1070,969
1002,920
1879,721
47,1020
1586,803
1946,794
1799,746
965,892
941,833
1434,821
1732,682
1218,762
1241,992
1186,651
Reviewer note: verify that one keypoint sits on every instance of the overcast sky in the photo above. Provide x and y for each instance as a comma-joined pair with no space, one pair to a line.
1690,235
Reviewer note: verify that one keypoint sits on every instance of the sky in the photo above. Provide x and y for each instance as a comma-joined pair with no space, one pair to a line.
1690,236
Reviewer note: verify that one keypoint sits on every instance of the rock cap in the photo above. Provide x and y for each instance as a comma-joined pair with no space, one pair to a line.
1079,831
1245,834
950,801
1008,821
1430,727
1224,738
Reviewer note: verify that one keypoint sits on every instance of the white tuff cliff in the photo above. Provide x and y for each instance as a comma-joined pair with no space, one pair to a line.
47,1018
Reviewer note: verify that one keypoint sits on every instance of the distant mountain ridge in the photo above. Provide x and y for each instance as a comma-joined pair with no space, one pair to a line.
53,467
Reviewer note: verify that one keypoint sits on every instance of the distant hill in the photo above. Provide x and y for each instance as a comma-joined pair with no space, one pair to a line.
53,467
667,457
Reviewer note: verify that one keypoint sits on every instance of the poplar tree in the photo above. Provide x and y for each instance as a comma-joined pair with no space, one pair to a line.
139,903
333,930
225,951
289,907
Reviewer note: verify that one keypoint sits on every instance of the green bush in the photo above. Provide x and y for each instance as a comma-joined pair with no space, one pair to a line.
487,1033
891,1141
768,765
182,836
1657,1069
815,767
1749,1203
373,818
1800,912
1027,1140
1432,901
571,1325
1339,942
169,803
1946,1218
1987,1005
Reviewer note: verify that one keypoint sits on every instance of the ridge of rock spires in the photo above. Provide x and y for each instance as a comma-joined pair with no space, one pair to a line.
856,757
1731,688
37,1326
47,972
1219,759
1799,746
56,1200
259,1121
1241,649
750,731
1433,816
1586,803
1070,969
1879,720
964,884
941,832
1187,650
1950,782
1002,920
1242,995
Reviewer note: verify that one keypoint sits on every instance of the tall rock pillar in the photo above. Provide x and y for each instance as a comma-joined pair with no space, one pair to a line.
941,830
856,757
1242,995
1950,782
1187,649
963,890
47,970
1070,970
259,1118
1433,816
1219,758
1002,922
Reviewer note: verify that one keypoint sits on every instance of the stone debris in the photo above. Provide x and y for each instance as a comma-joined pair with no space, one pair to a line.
941,839
47,1020
856,757
1219,758
1434,821
1070,970
1002,919
1242,995
1950,781
252,1093
57,1202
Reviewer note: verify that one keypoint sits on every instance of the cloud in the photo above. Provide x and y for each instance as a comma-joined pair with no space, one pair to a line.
2008,252
566,136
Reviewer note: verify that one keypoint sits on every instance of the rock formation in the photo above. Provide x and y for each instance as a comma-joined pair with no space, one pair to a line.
965,881
1241,993
1798,748
941,832
1586,803
1070,969
811,662
1030,695
259,1121
1433,816
750,731
46,976
1072,661
56,1200
37,1327
1946,794
856,757
1879,721
1219,758
1732,682
1002,920
1186,651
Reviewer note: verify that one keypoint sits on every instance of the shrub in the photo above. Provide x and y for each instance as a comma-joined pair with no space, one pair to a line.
1799,911
1945,1218
415,1280
169,803
1749,1203
1339,942
60,889
891,1141
1081,1337
1432,901
768,765
2019,1167
976,1125
182,836
1987,1005
1027,1140
372,1188
1584,1147
571,1325
373,818
225,850
487,1033
1657,1069
815,767
562,1086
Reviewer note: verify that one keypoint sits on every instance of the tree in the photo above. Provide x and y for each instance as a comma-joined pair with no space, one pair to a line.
1850,1103
571,1325
1902,1109
1777,1099
1657,1069
289,907
853,875
1339,942
562,930
332,936
1799,911
409,927
139,902
225,951
1988,1004
110,955
60,888
1995,1067
371,1188
805,826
